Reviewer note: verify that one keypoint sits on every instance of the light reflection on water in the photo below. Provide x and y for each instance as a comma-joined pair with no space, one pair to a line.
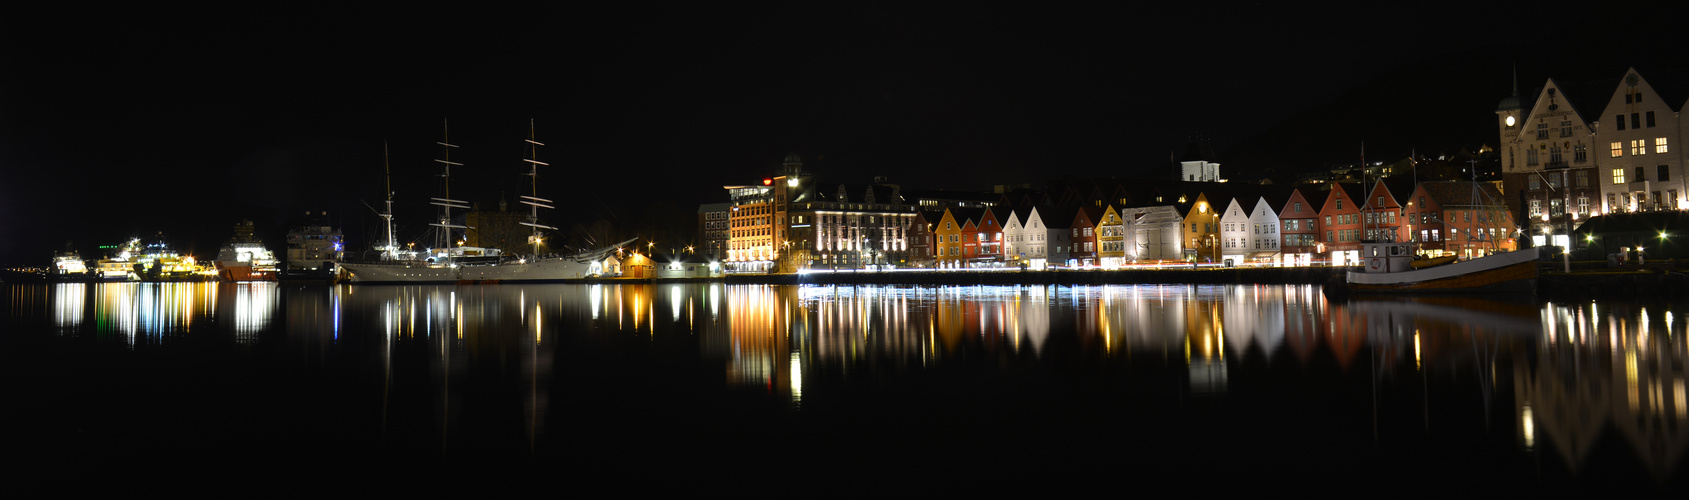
1573,373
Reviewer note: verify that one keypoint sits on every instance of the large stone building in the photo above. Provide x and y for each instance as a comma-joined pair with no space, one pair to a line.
792,222
1562,165
751,228
1548,170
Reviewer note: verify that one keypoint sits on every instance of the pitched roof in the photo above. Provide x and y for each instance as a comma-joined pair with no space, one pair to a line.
1459,193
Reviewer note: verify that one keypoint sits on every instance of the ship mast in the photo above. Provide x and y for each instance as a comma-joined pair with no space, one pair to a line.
533,201
391,251
446,203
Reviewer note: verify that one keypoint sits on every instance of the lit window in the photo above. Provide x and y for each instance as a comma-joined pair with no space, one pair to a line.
1618,175
1639,146
1618,149
1659,145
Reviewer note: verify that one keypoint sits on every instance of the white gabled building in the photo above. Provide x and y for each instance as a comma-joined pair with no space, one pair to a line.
1014,236
1263,233
1234,233
1036,237
1640,144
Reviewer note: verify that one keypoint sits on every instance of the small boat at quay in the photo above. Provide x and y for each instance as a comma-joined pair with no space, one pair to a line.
1388,267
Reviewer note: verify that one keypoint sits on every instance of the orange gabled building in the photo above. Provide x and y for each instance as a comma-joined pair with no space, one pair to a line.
1201,230
947,233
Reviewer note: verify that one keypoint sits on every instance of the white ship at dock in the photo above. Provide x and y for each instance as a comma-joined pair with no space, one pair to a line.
455,263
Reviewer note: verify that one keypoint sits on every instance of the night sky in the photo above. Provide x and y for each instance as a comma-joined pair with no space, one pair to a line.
127,123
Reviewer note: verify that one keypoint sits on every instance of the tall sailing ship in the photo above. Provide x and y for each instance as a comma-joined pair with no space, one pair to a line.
451,261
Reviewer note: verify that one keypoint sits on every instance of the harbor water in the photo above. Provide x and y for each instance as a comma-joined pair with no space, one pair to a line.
280,389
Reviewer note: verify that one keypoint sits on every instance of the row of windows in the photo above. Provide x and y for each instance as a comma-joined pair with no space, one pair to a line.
1260,243
1555,179
1556,207
1580,153
1624,201
1662,173
1634,119
1640,147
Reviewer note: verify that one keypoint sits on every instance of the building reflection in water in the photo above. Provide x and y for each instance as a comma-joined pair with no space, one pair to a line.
1602,370
1576,375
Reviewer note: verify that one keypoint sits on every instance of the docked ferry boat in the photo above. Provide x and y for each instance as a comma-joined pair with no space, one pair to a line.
69,266
1391,267
156,261
313,250
244,258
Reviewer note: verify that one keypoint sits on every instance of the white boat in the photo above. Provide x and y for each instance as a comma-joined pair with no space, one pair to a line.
69,266
455,263
1389,267
244,257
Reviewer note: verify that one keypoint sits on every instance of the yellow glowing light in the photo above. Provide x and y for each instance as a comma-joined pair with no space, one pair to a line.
1416,348
1527,425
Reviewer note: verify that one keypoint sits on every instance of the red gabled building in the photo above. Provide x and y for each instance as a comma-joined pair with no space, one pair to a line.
1301,231
990,230
1340,223
1459,218
1084,243
1381,217
923,241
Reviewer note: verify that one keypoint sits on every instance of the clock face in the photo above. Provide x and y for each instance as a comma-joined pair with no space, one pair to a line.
1509,121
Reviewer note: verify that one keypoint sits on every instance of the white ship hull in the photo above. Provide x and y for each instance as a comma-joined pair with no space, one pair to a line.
533,271
578,266
1503,272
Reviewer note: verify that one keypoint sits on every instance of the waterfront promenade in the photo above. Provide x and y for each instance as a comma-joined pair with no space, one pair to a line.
1215,275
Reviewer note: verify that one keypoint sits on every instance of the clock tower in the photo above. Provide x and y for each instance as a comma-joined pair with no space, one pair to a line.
1508,123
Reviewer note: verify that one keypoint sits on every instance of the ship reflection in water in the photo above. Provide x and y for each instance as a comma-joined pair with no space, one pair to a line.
942,378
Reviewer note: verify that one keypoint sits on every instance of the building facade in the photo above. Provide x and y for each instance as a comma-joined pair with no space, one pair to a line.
1549,161
1643,146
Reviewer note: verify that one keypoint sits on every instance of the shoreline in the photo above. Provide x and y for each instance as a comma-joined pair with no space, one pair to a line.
1551,283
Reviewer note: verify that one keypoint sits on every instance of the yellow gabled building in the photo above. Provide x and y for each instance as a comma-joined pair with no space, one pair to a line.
1111,238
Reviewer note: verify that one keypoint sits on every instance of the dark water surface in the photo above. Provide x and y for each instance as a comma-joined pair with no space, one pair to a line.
280,389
